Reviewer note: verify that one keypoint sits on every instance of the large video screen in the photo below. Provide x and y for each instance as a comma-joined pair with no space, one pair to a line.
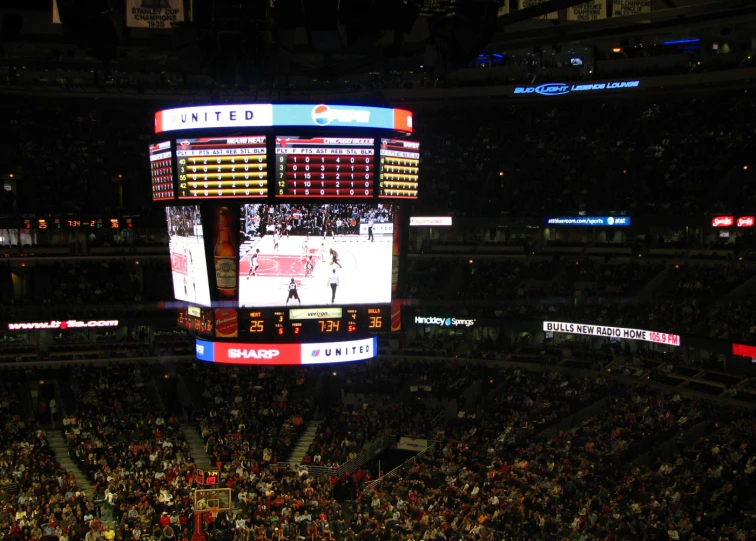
187,250
315,254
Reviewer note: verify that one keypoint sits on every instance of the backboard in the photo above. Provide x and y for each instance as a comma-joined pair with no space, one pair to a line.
212,499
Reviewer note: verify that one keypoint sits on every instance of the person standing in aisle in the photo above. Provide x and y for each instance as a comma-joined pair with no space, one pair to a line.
293,292
333,281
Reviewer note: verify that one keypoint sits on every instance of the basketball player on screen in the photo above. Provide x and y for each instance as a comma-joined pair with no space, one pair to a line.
335,258
308,267
306,247
276,239
322,252
190,273
253,264
293,292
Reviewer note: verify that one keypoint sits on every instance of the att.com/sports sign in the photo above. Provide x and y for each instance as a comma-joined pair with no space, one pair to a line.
562,89
63,325
286,354
612,332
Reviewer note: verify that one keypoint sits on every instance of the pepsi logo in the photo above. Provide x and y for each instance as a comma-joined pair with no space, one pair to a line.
321,115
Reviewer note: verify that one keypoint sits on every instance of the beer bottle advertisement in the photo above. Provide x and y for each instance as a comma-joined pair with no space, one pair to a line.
225,254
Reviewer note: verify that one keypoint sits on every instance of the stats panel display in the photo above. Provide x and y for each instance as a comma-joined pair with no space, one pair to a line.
222,167
315,254
161,171
333,167
186,247
399,169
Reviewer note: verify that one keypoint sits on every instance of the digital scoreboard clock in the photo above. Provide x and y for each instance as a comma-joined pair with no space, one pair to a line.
297,323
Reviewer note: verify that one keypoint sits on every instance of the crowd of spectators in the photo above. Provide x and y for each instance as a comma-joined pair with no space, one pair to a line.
505,468
38,498
733,321
252,416
136,457
642,157
487,483
508,279
79,161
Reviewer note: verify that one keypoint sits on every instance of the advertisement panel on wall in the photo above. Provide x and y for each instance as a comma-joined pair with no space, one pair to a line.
562,89
63,325
430,221
744,350
286,354
444,321
596,221
611,332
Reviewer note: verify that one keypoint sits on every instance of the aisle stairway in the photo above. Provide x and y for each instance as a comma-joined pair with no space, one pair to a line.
303,444
58,446
197,448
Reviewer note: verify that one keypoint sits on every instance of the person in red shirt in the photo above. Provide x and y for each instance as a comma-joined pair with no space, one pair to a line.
165,520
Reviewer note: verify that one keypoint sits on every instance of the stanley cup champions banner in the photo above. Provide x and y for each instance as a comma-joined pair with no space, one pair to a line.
622,8
154,13
530,3
592,10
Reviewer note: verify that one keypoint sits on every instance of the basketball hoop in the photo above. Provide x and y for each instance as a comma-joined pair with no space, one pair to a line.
214,512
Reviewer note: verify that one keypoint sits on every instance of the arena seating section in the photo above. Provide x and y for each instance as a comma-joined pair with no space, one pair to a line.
538,442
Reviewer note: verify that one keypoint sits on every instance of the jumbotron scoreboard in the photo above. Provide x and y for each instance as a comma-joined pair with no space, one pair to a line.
286,226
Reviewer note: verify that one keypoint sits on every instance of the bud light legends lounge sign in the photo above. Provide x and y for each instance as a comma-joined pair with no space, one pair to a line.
561,89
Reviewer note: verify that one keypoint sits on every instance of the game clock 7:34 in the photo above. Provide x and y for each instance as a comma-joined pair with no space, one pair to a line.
278,325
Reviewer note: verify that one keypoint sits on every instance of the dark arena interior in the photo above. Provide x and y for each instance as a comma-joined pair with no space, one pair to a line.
410,270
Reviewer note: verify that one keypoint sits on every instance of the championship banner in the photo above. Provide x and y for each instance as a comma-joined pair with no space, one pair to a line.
524,4
55,12
623,8
504,9
154,13
593,10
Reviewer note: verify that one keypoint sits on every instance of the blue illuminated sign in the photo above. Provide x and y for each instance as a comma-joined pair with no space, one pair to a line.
608,221
560,89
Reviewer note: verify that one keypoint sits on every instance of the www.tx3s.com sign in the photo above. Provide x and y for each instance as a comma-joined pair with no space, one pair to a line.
286,354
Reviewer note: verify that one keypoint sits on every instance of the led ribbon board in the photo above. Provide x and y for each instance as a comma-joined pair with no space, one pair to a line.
262,115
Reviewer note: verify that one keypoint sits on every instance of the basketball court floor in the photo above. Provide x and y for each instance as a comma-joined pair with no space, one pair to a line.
364,276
